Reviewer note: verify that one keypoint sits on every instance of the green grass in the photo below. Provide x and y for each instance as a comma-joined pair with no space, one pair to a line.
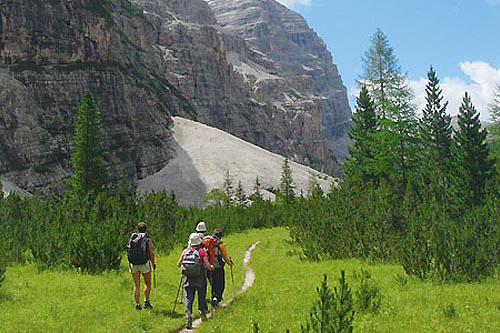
284,290
66,301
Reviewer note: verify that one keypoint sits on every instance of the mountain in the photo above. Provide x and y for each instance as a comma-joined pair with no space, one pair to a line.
204,154
261,75
283,43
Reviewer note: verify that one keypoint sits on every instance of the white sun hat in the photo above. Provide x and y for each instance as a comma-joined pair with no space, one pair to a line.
201,227
194,239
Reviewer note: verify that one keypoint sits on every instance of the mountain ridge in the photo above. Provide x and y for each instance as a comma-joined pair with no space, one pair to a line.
144,62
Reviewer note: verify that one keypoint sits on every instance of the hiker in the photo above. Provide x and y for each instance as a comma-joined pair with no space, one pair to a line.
217,277
141,257
201,228
194,263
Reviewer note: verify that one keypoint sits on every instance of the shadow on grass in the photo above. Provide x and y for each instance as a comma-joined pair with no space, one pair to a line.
169,313
4,297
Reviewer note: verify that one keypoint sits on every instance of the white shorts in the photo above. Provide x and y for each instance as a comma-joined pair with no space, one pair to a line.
144,268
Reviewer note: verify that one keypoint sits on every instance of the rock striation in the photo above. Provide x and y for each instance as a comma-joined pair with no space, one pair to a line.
260,74
293,50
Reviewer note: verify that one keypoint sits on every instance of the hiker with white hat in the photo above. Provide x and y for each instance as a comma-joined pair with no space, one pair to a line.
194,264
201,228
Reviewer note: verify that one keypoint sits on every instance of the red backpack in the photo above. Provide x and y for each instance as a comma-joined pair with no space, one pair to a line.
213,250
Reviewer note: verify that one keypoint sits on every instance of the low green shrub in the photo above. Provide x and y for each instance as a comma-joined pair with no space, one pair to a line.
333,312
367,295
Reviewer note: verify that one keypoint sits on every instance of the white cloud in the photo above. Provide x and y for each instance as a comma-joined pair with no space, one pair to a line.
484,81
290,3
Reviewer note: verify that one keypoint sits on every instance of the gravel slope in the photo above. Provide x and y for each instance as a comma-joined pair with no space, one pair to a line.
203,156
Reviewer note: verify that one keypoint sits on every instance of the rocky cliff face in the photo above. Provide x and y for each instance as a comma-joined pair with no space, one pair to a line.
51,52
296,53
146,61
266,76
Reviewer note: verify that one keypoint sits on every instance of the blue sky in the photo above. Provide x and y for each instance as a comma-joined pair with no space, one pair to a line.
459,38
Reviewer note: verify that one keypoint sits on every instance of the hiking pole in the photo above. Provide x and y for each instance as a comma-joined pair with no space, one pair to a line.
154,283
232,276
176,297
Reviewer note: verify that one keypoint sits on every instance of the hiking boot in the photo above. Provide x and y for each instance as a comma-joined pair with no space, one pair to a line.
215,302
189,323
138,306
203,316
147,304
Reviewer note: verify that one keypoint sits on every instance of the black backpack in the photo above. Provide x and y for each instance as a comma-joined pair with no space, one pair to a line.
138,248
191,263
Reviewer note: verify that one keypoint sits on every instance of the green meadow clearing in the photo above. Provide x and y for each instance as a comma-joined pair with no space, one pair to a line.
280,299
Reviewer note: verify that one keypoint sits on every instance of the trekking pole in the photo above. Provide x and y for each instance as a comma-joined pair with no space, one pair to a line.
154,283
176,297
232,276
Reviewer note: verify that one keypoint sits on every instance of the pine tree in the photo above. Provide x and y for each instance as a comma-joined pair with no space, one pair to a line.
363,149
473,167
286,185
241,197
392,99
334,311
401,133
435,139
228,190
89,174
380,71
257,194
314,190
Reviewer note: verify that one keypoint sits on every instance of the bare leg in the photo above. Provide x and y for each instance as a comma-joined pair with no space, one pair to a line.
137,286
147,281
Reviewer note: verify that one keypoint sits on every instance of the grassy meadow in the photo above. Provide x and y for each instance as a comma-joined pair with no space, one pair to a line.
280,299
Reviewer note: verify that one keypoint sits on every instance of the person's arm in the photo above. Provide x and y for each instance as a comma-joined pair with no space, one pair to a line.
208,266
179,263
223,251
151,253
227,260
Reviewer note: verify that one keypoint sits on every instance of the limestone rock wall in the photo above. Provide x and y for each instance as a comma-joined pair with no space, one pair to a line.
264,77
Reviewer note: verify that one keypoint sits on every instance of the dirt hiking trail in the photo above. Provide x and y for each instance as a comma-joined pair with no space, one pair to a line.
247,283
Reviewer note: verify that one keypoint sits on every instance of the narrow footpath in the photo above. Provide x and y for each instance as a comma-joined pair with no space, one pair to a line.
247,283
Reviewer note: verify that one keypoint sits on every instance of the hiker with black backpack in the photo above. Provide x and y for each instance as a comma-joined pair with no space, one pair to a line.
141,257
194,264
218,257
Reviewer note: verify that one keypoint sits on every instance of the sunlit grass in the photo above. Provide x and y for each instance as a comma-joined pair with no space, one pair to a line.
66,301
284,290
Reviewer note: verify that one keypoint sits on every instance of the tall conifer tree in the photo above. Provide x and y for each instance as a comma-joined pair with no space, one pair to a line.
380,71
228,189
473,167
89,174
435,139
257,194
240,196
401,136
362,152
392,98
286,184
